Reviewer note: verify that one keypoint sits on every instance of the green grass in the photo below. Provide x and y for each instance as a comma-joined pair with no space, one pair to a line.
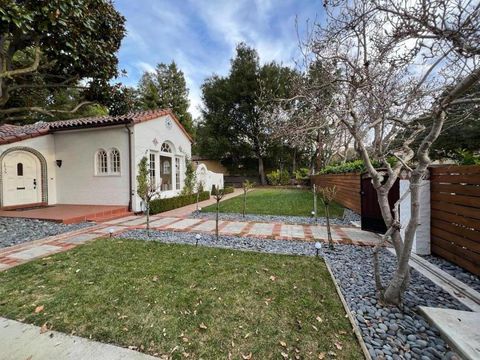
179,299
292,202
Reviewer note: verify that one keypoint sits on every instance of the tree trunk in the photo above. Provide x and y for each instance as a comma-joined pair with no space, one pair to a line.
294,162
148,218
261,171
216,218
244,202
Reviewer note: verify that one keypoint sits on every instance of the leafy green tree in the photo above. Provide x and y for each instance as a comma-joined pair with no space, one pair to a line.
166,88
47,45
238,108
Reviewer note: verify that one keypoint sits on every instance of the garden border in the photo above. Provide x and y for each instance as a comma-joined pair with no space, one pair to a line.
356,329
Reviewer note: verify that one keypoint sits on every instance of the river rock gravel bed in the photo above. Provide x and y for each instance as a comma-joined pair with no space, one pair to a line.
389,332
456,271
14,231
348,217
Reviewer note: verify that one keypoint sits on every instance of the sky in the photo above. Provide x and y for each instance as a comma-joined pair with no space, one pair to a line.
201,35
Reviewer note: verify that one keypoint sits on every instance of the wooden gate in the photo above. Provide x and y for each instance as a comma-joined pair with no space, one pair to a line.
455,217
371,215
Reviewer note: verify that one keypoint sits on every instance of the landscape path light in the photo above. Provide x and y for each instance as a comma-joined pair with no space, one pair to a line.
318,246
110,231
197,239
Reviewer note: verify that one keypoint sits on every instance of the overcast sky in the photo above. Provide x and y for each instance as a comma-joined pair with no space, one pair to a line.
201,35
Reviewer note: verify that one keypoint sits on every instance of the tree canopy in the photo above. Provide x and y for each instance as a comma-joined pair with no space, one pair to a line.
49,46
238,107
166,88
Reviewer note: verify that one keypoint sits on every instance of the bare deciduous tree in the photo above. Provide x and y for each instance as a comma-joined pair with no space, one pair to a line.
397,62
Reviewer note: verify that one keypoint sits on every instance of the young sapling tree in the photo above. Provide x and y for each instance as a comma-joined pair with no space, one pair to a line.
147,189
218,195
327,195
247,186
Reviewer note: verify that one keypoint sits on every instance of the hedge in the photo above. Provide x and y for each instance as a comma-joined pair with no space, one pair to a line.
161,205
226,190
353,166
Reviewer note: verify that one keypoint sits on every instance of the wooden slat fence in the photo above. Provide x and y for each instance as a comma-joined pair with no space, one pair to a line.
347,185
455,216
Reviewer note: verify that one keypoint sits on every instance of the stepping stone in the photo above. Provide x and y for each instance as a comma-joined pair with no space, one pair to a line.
121,220
461,329
233,228
261,229
80,239
138,221
292,231
320,233
34,252
183,224
208,225
163,221
361,235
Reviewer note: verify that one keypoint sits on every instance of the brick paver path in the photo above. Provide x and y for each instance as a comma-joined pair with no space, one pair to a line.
22,253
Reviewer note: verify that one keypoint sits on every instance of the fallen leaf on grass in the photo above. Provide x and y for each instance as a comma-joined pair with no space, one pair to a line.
133,347
39,309
284,355
203,326
321,356
319,319
246,336
338,346
283,343
44,328
273,278
247,357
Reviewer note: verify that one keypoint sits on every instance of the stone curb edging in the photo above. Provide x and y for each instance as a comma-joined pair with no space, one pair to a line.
356,328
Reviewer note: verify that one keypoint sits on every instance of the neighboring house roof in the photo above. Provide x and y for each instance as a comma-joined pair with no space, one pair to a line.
12,133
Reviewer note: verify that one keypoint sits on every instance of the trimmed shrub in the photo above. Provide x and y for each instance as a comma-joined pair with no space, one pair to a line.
278,177
228,190
161,205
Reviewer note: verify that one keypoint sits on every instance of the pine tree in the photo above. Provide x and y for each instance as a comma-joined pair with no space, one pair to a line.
166,88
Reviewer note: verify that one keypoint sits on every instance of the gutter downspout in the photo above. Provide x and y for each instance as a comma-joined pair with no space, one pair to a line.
130,190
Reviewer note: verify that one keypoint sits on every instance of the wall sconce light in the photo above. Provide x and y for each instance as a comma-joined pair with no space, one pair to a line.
59,163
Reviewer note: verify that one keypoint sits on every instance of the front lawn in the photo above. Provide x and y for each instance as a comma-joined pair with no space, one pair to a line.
184,301
291,202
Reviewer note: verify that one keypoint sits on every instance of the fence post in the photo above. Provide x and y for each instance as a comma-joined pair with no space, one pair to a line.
421,242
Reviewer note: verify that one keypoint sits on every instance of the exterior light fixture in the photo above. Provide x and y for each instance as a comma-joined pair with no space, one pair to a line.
110,231
197,239
313,213
59,163
199,209
318,246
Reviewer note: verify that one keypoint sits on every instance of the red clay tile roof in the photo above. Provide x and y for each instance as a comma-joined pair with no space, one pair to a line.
12,133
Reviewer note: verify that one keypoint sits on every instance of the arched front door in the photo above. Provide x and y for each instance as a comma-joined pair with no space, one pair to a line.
22,177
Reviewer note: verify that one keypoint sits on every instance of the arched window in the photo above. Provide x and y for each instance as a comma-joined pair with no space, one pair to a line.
166,148
114,161
19,169
102,167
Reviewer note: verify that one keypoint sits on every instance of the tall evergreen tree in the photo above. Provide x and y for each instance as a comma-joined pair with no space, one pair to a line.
166,88
237,108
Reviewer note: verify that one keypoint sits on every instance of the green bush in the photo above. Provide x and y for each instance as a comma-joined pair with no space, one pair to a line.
161,205
302,173
352,166
278,177
228,190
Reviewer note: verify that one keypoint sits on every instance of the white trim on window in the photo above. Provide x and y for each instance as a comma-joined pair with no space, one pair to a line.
107,163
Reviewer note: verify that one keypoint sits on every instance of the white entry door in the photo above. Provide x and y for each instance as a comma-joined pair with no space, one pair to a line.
21,179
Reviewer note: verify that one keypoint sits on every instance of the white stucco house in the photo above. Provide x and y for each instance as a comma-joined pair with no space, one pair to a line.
91,161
